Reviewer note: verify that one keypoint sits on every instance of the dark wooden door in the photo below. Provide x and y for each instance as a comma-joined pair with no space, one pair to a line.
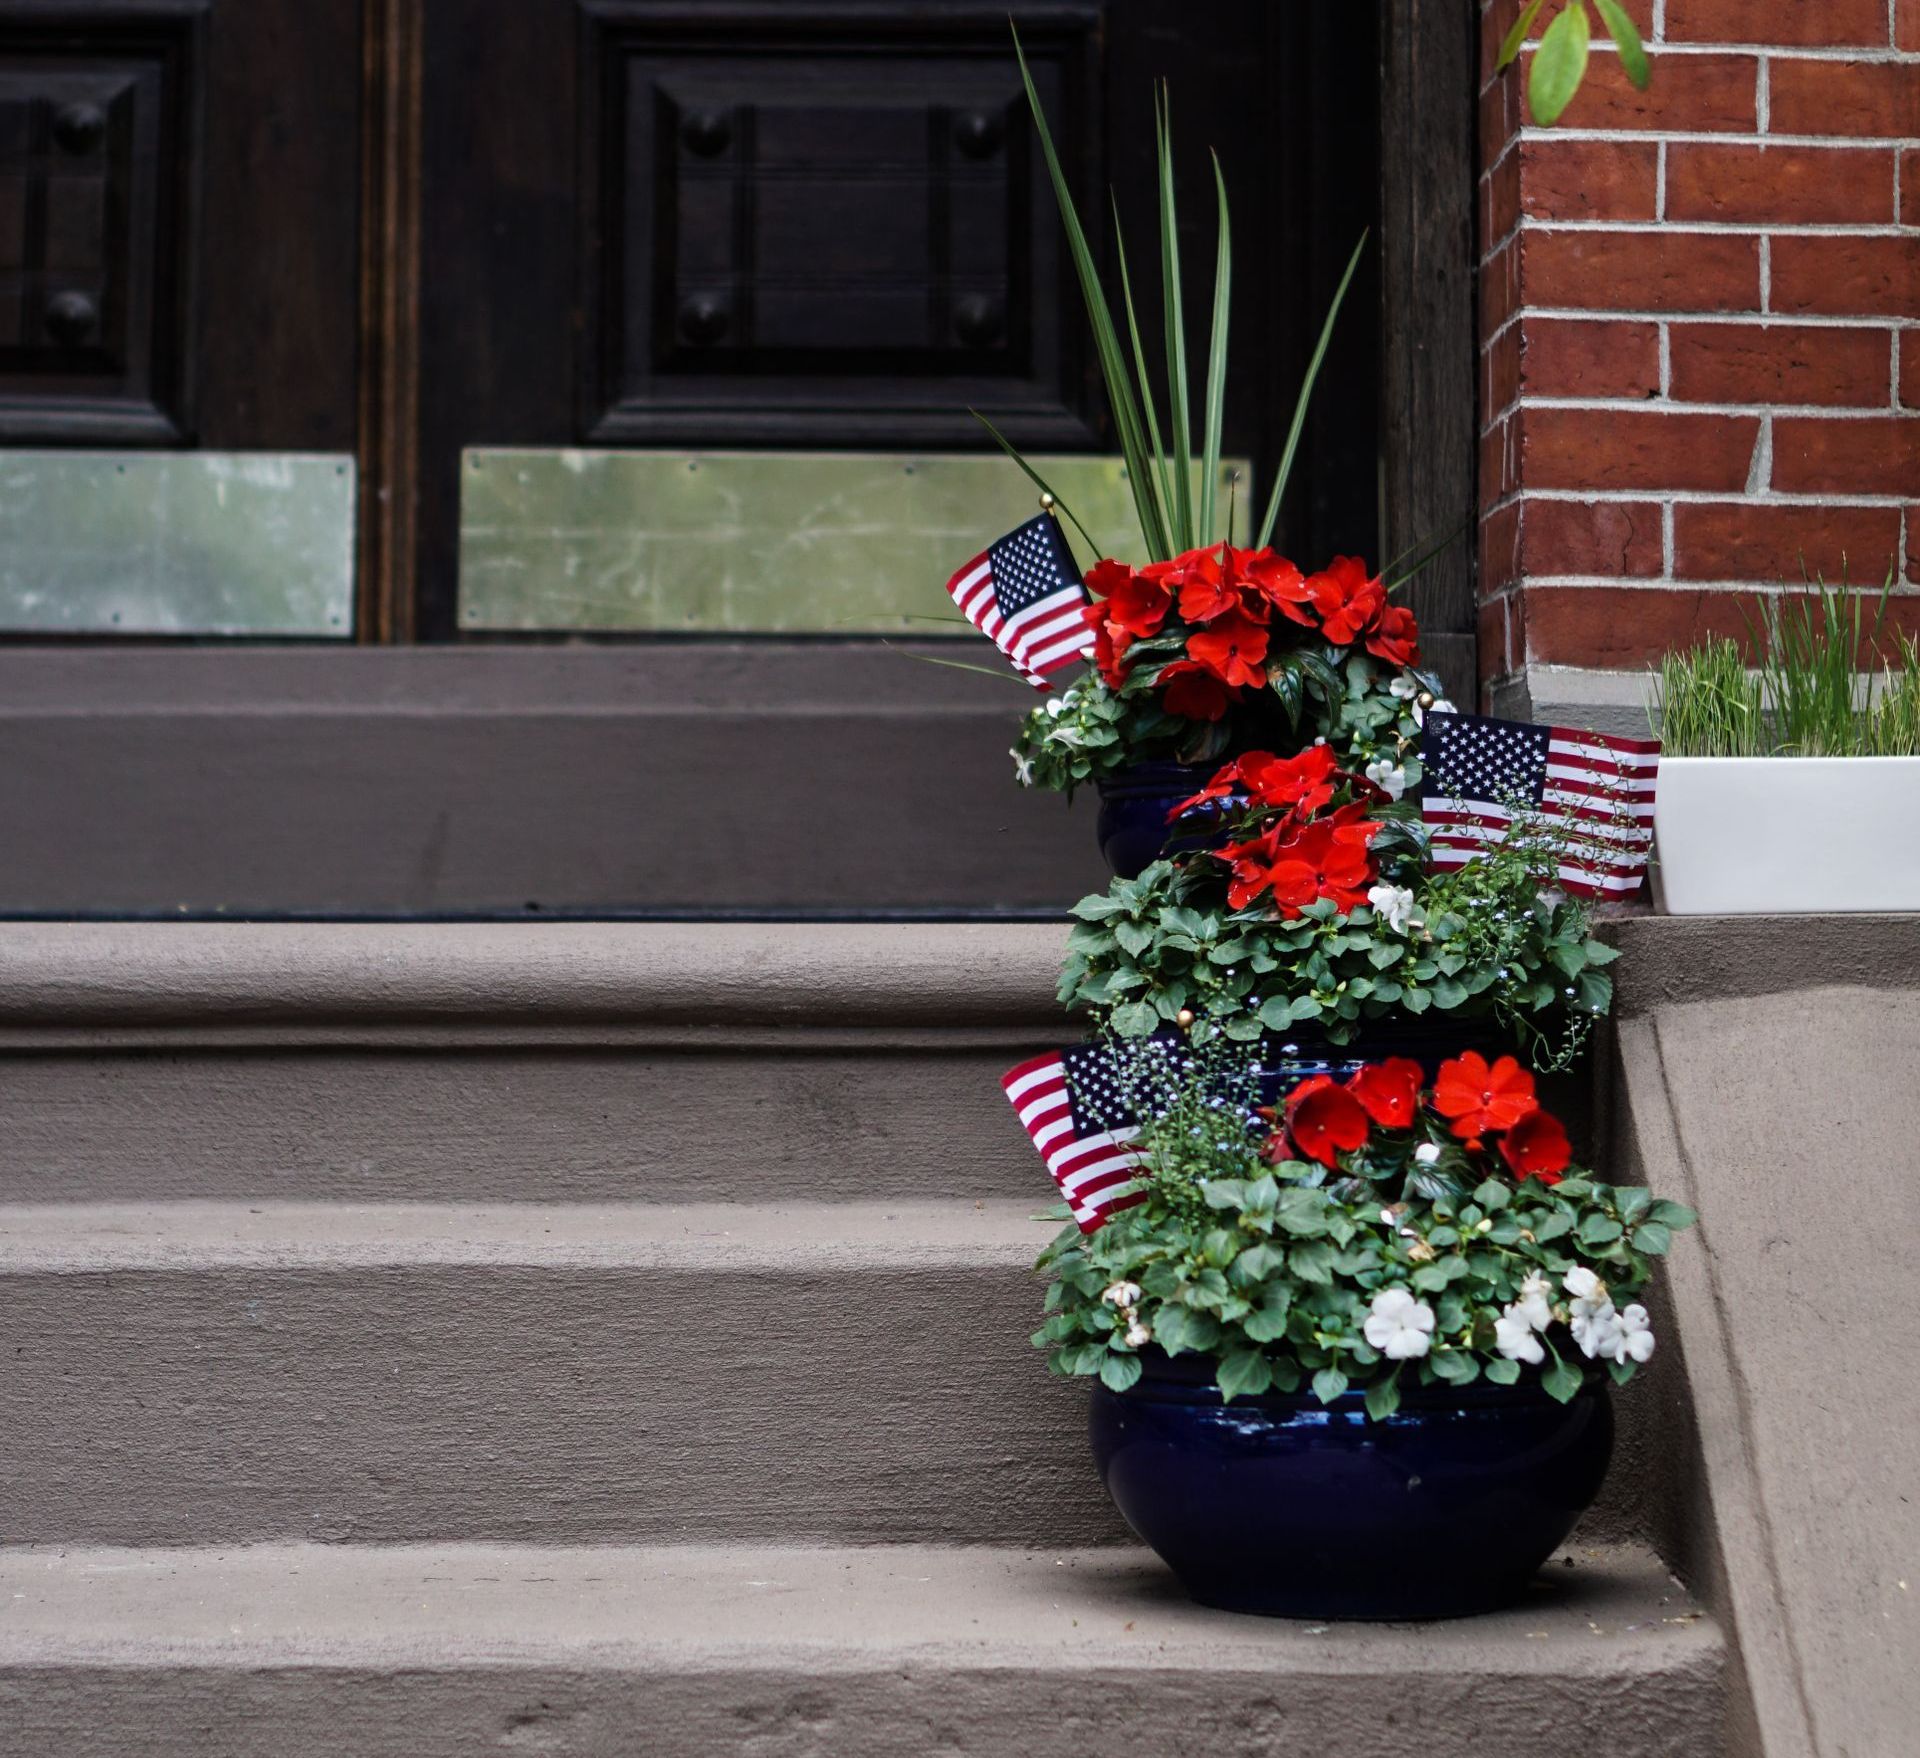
823,224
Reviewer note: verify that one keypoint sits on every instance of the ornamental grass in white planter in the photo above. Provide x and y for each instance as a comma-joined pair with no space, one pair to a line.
1790,789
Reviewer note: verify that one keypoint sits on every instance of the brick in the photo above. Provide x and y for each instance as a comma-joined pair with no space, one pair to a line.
1876,99
1780,363
1503,198
1876,454
1780,185
1847,277
1490,624
1500,549
1906,24
1502,387
1497,476
1739,540
1807,24
1641,271
1497,121
1652,449
1495,22
1910,187
1591,537
1588,179
1910,384
1499,289
1687,94
1631,626
1589,357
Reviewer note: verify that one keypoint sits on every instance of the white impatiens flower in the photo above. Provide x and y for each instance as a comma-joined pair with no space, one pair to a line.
1427,1153
1122,1294
1393,904
1389,777
1535,1304
1057,705
1399,1326
1022,768
1138,1336
1405,687
1595,1324
1513,1336
1583,1284
1632,1338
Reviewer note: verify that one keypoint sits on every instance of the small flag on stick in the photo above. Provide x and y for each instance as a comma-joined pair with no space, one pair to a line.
1026,596
1590,797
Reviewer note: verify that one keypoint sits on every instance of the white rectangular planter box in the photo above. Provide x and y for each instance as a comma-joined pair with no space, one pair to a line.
1787,835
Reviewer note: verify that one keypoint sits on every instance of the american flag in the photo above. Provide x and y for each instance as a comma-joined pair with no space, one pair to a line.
1026,596
1076,1106
1591,795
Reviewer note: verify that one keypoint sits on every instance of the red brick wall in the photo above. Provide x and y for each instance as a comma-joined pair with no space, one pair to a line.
1700,328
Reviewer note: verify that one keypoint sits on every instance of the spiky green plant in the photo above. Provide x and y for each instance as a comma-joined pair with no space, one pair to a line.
1176,512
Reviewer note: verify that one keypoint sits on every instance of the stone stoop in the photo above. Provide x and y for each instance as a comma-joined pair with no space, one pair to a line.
586,1340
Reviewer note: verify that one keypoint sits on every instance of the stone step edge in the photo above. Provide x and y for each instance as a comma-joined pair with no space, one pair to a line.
1614,1613
990,1233
101,983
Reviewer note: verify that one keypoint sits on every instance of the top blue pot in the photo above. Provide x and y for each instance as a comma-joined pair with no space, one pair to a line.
1134,803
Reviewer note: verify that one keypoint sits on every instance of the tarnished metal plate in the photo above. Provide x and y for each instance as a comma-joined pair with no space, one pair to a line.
755,542
176,543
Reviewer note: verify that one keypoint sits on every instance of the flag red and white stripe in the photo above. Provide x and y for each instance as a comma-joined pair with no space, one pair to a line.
1026,596
1095,1170
1591,793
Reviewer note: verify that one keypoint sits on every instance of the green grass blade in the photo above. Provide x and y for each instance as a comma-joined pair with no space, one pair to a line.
1172,311
1560,63
1216,367
1626,38
1040,482
1170,505
1265,535
1398,575
985,671
1113,366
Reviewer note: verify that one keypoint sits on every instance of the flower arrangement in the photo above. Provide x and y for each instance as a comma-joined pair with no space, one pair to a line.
1368,1229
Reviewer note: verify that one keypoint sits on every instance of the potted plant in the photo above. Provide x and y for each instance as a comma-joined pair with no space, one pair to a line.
1352,1355
1790,787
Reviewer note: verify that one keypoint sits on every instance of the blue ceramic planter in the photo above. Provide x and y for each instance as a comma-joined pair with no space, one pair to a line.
1134,804
1283,1506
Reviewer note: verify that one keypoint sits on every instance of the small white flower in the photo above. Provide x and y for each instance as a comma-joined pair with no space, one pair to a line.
1390,1217
1393,904
1122,1294
1583,1284
1138,1336
1022,768
1427,1153
1596,1326
1535,1304
1513,1336
1399,1326
1405,687
1390,777
1056,706
1632,1337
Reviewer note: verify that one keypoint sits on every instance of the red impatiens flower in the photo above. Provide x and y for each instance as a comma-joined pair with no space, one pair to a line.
1325,1120
1346,598
1192,692
1139,600
1395,637
1283,586
1233,649
1329,858
1110,644
1302,784
1389,1091
1537,1147
1214,582
1478,1099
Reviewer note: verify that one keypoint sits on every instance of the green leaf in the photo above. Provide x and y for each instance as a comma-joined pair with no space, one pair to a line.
1493,1195
1383,1398
1118,1372
1157,451
1312,1261
1454,1366
1136,1020
1180,1331
1276,1013
1040,482
1301,1211
1267,1323
1626,38
1510,43
1328,1384
1216,368
1502,1372
1561,1380
1598,1229
1134,937
1652,1237
1676,1216
1300,403
1560,63
1179,408
1244,1373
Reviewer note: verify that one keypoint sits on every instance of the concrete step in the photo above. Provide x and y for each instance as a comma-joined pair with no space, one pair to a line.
558,1061
441,1652
186,1372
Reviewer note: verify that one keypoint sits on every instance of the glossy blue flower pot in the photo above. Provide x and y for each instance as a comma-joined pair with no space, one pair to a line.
1286,1507
1134,803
